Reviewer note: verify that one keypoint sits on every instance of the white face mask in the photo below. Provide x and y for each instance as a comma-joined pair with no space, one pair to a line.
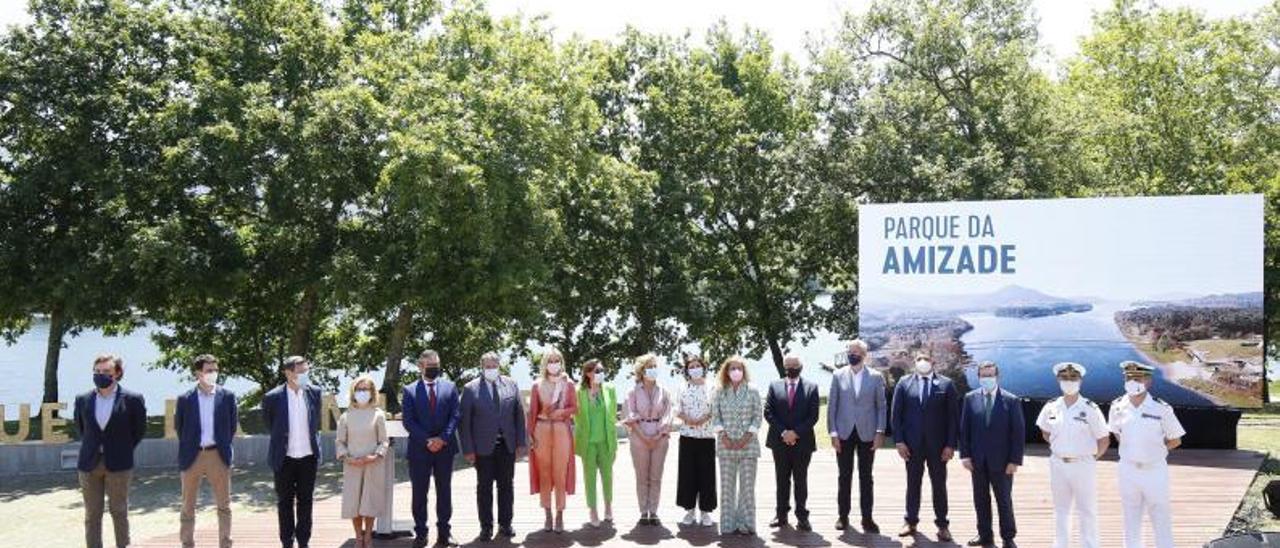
491,374
304,379
1070,388
1134,388
735,375
211,378
695,373
363,396
651,373
923,367
553,368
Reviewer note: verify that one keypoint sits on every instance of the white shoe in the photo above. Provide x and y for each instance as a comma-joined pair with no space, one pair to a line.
689,518
706,519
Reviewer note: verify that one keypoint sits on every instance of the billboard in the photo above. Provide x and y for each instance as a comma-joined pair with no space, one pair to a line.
1175,282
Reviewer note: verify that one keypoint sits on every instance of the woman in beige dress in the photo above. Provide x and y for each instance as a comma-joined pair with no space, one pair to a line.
361,445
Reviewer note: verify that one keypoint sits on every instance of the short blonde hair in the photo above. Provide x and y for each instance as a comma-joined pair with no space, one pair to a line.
727,365
546,357
373,388
641,364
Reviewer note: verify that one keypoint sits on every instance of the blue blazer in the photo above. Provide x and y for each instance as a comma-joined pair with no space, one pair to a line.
275,414
928,426
186,420
125,430
423,424
999,443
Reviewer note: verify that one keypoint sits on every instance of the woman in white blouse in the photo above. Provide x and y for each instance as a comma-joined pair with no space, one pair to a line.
696,476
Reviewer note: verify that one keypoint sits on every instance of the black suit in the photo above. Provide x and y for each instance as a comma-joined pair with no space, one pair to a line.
791,462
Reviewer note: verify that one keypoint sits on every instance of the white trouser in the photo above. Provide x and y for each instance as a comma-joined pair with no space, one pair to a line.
1074,483
1146,489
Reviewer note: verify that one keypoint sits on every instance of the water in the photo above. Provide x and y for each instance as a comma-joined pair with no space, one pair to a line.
1025,350
22,368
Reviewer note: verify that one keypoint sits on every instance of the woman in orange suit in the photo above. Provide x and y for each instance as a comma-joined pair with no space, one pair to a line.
552,406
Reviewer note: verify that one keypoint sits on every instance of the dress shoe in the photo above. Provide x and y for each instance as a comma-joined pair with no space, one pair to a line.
486,534
842,524
420,542
907,530
446,542
869,527
803,525
778,522
979,541
944,534
506,531
1010,544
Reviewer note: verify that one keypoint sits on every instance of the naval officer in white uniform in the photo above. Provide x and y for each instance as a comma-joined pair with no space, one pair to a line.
1147,430
1078,436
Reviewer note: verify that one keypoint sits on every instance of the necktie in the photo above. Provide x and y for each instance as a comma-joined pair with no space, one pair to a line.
987,411
791,394
924,391
431,397
493,393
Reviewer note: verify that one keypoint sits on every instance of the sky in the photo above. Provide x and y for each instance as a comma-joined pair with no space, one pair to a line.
1120,249
790,23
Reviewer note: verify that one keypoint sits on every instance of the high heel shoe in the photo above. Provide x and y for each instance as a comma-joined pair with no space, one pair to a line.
559,522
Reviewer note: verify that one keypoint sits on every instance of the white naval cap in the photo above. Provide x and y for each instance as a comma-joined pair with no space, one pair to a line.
1136,367
1061,366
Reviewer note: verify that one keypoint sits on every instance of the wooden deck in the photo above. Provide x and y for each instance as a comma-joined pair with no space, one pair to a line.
1207,488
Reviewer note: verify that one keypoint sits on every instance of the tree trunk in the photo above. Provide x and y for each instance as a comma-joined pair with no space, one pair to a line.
775,350
304,322
53,352
395,355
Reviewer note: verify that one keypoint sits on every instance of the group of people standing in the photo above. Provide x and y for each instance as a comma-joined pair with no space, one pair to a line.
719,423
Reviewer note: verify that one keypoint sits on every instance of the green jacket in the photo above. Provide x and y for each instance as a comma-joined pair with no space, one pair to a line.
582,424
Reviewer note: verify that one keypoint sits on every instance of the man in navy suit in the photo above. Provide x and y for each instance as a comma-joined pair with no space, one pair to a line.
992,437
291,413
791,409
206,419
431,412
111,422
925,422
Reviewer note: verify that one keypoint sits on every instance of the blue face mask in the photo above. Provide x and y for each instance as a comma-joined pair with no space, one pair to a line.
103,380
988,383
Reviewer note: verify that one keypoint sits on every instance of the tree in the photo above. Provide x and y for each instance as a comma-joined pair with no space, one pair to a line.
84,96
721,127
282,141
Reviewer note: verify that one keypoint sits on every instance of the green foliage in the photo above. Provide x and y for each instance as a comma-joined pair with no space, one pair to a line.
358,181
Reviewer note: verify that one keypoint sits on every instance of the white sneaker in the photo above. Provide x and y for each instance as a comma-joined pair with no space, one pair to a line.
706,519
689,518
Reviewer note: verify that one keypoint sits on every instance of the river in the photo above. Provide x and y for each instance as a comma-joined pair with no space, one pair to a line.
1026,348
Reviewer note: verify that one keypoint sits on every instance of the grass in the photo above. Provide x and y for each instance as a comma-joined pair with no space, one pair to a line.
1259,431
1227,396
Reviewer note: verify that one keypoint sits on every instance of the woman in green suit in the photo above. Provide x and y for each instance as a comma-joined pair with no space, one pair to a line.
596,436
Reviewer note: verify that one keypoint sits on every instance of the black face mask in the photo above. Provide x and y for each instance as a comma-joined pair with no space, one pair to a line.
431,373
855,359
793,373
103,380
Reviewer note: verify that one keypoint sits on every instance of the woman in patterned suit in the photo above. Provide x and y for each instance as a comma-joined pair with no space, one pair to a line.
736,412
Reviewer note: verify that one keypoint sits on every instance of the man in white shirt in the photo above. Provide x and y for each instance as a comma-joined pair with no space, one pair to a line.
291,412
1147,430
1077,435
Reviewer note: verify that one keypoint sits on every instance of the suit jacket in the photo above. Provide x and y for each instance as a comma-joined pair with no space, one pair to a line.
481,418
582,423
864,412
275,415
424,424
799,418
115,444
930,425
996,443
186,420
